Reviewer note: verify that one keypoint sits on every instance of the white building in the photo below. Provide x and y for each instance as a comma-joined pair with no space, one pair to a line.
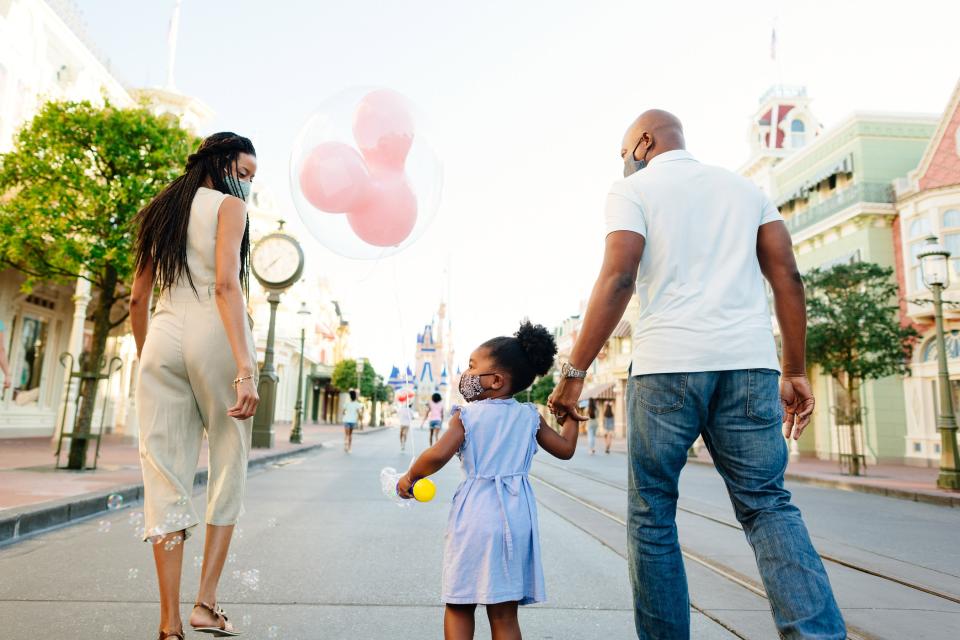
41,58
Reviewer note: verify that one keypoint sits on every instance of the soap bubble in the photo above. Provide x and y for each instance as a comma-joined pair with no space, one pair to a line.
273,631
114,501
132,574
246,620
388,485
172,541
155,535
103,526
198,562
271,522
251,579
232,558
238,533
365,151
135,518
139,533
182,501
235,574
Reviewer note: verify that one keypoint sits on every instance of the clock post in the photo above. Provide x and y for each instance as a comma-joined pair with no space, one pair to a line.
263,434
277,263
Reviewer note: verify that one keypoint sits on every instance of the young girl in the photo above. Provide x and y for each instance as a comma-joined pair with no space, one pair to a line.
492,550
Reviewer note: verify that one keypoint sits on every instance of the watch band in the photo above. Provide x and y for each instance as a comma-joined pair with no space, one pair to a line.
567,370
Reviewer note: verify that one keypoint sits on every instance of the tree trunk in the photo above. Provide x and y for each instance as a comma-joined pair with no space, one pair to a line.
854,419
92,365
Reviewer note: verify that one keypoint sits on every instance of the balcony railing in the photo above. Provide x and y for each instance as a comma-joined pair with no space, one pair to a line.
876,192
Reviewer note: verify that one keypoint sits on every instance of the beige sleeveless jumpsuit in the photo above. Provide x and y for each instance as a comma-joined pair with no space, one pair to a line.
185,388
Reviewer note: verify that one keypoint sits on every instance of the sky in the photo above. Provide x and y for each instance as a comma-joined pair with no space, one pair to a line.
526,103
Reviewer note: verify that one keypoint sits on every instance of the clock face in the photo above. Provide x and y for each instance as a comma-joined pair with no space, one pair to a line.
276,260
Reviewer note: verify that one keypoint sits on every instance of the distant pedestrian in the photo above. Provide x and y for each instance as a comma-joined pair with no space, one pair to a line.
592,426
352,415
434,415
695,243
608,426
405,415
492,549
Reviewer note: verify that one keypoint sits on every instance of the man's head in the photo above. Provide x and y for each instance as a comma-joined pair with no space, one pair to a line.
353,395
652,133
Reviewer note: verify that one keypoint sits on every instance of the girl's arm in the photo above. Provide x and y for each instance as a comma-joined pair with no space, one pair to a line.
560,445
434,458
140,296
231,223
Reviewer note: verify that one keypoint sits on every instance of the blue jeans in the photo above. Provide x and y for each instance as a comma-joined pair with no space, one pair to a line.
739,415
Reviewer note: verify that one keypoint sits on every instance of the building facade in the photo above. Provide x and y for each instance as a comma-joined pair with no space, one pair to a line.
834,189
928,203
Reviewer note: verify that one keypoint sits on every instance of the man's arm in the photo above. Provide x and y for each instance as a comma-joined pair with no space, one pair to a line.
779,267
609,299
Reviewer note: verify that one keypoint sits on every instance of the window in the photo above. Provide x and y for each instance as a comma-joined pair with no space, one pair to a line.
919,228
29,366
951,218
917,447
951,239
798,134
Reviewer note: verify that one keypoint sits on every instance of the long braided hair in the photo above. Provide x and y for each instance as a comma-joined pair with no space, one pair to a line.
162,233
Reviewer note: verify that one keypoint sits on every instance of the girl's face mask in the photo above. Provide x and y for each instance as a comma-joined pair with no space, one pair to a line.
470,386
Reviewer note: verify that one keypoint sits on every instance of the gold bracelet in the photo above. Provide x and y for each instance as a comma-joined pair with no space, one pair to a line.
239,380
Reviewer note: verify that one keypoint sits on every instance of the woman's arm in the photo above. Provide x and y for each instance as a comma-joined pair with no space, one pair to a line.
231,223
434,458
140,296
560,445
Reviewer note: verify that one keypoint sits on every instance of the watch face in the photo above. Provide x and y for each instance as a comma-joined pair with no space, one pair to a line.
275,259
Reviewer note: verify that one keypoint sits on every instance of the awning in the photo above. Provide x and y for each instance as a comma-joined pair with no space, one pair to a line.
602,391
843,165
622,330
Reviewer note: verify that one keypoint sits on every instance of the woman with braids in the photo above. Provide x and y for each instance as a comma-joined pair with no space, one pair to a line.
197,366
492,551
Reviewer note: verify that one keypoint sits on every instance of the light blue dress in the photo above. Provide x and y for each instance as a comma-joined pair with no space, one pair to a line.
492,548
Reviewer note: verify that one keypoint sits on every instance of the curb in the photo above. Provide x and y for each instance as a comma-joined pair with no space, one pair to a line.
59,513
843,485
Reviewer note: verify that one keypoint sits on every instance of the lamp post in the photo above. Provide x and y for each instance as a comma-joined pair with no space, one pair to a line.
934,266
296,433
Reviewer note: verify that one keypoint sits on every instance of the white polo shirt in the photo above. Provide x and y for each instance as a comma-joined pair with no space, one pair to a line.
703,306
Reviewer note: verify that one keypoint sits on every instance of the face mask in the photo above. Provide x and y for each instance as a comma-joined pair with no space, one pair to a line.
630,163
237,187
470,386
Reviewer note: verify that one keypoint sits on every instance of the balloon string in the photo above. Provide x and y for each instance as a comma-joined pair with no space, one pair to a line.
411,436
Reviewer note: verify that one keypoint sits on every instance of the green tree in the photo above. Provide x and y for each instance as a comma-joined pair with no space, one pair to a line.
71,185
345,378
540,391
854,333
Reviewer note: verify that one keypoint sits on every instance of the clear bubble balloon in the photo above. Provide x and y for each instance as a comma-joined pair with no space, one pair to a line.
114,501
388,486
364,178
103,526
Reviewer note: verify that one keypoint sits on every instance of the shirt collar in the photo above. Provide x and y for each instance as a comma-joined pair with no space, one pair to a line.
670,156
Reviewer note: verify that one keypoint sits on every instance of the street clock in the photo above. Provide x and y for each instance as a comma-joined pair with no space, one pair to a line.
277,261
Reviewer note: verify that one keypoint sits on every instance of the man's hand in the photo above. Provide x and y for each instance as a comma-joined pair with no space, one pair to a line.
565,398
798,402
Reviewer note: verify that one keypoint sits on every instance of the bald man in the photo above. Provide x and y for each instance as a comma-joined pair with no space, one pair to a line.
695,243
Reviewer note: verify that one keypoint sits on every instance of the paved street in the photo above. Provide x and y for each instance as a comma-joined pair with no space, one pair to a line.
324,555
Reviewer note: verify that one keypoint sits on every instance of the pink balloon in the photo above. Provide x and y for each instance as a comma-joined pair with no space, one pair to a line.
389,212
334,177
383,129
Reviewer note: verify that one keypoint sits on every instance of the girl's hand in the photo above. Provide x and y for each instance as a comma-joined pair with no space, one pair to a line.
405,487
247,400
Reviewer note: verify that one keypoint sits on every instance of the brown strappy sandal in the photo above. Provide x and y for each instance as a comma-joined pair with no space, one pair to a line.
170,634
219,631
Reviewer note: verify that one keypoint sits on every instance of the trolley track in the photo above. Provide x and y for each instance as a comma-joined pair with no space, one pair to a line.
735,525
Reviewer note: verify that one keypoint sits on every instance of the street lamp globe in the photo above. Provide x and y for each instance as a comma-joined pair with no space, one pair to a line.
304,314
934,265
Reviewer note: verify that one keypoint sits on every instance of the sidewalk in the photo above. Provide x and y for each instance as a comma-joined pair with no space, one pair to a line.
918,484
34,496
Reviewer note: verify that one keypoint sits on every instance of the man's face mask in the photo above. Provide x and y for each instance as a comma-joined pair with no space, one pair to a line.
237,187
630,163
471,387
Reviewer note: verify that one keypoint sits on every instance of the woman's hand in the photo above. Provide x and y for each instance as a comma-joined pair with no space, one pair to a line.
247,400
405,487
